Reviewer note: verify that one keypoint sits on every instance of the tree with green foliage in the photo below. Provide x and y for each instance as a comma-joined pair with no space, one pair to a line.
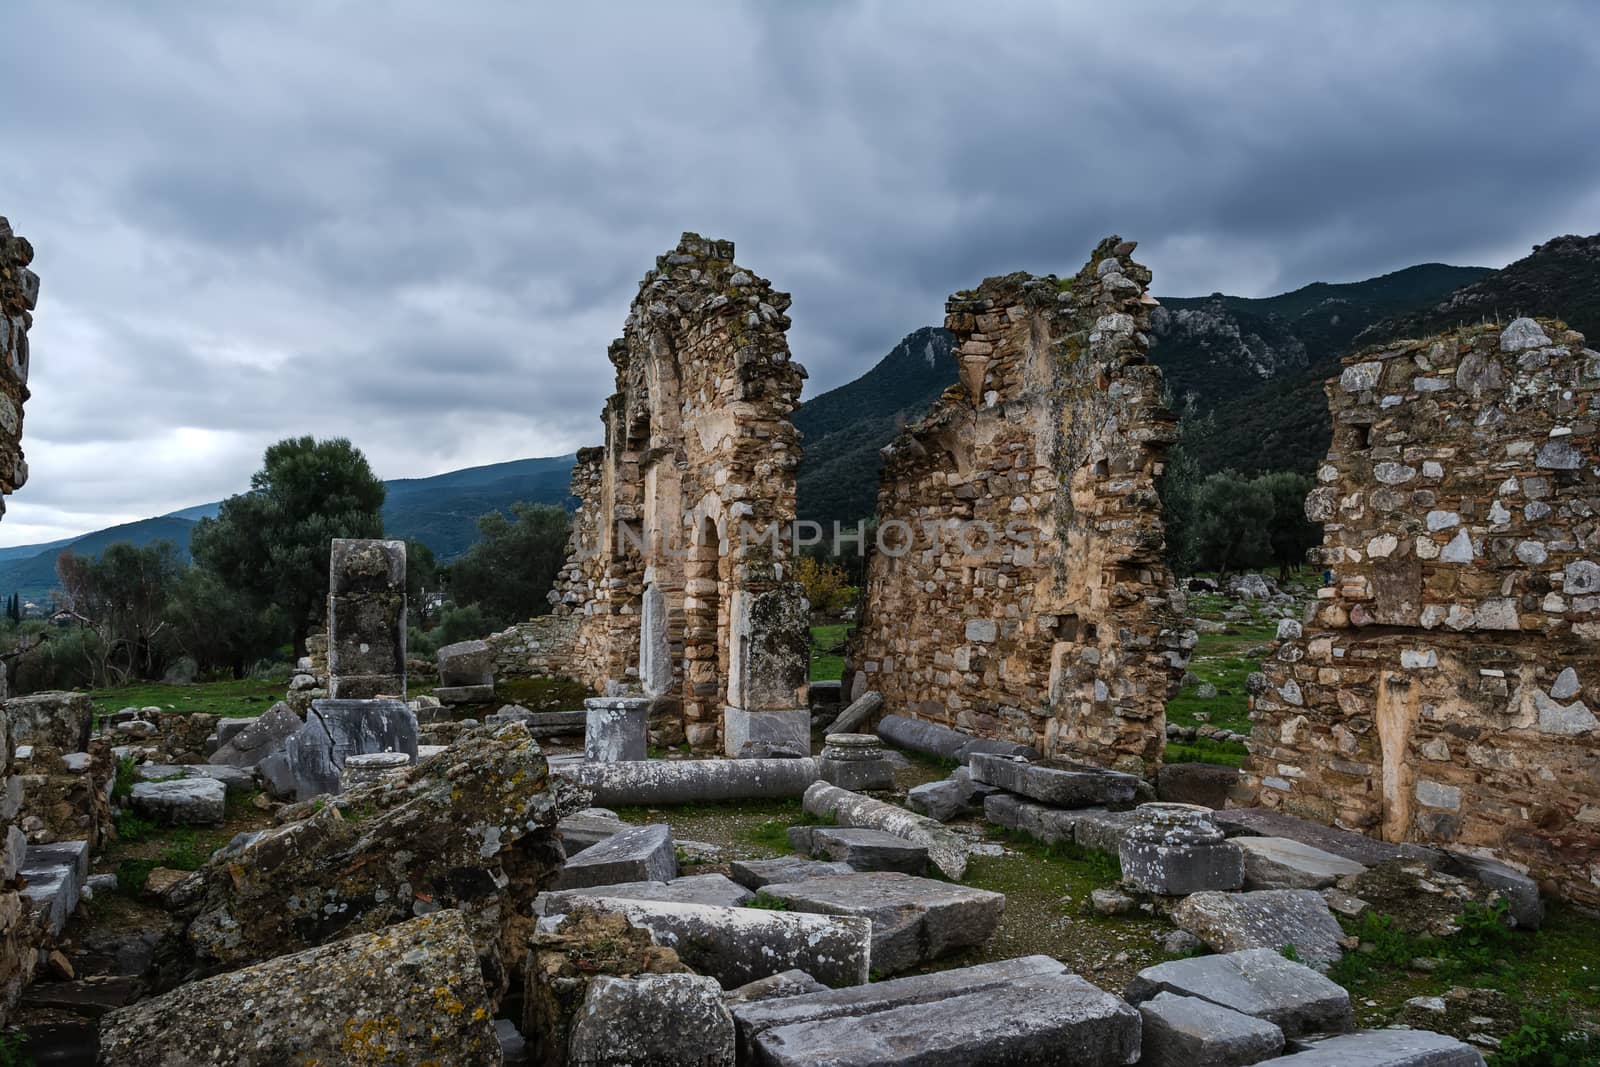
508,573
222,628
1180,485
1231,522
122,598
424,585
272,543
1290,533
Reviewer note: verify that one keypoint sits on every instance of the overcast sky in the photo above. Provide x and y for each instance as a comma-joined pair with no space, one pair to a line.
419,224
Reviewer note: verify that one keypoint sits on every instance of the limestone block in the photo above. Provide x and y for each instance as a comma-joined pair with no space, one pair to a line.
757,874
666,1020
1260,983
466,663
716,889
868,850
1062,786
1283,863
1174,849
1264,918
182,802
658,783
616,729
1386,1048
638,854
1184,1031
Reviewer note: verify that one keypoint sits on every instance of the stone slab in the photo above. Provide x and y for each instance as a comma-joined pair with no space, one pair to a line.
1264,918
580,831
1058,786
664,1020
637,854
1284,863
1184,1031
454,695
466,663
1256,982
717,889
756,874
335,729
1367,851
946,849
182,802
55,875
658,783
237,780
914,920
1386,1048
557,723
868,850
616,729
1040,1019
737,946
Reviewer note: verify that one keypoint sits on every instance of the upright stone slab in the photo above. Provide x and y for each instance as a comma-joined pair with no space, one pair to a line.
638,854
367,619
466,663
617,729
1175,849
655,642
250,745
1059,785
769,654
337,729
1256,982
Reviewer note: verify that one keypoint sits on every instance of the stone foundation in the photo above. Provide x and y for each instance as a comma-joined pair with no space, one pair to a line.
1017,589
1444,689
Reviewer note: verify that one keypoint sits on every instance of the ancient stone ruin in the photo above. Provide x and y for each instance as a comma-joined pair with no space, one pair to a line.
367,619
1017,589
1444,689
678,563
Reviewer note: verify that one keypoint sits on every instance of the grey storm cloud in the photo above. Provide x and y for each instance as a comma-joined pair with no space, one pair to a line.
418,225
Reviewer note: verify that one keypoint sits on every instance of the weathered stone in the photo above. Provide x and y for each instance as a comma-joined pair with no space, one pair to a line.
466,663
55,874
858,715
928,738
1257,982
181,802
53,723
945,799
1182,1031
1520,891
471,828
788,984
253,743
458,695
740,945
947,850
637,854
1039,1019
1386,1048
237,781
658,783
1358,848
367,619
856,774
716,889
335,729
1264,918
367,768
1174,849
758,874
868,850
914,920
1281,863
616,729
1061,786
582,829
412,993
664,1020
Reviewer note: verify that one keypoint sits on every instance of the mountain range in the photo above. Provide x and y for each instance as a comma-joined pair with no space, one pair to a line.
1256,366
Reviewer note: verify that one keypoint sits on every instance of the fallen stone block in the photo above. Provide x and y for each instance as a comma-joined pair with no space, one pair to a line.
739,945
55,875
1050,825
336,729
1206,784
1061,786
1367,851
1386,1048
1520,891
1175,849
993,747
1041,1019
181,802
788,984
1103,831
258,740
457,695
237,780
412,993
946,849
657,783
637,854
473,828
951,797
928,738
756,874
1184,1031
755,1019
914,920
53,722
1264,918
715,889
868,850
1283,863
616,729
1256,982
228,729
857,715
583,829
556,723
664,1020
466,663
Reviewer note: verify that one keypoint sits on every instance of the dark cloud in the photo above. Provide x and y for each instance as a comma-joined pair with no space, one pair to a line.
419,225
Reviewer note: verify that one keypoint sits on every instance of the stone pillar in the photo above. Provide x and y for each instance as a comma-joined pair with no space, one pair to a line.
616,729
367,619
768,710
655,643
1175,849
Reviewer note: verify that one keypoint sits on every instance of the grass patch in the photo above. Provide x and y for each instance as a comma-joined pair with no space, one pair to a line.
132,829
230,699
1204,750
766,902
123,786
827,651
541,694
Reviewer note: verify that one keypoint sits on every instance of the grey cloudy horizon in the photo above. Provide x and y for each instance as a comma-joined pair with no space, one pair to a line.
419,225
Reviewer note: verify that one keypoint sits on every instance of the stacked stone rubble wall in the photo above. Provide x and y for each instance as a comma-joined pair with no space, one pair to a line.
545,647
1444,688
1031,602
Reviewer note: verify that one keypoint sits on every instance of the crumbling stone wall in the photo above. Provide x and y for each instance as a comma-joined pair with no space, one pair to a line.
19,292
677,568
544,647
1017,589
1443,690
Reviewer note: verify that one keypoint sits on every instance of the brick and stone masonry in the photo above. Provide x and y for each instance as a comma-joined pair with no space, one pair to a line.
1445,688
19,291
366,618
680,588
1064,629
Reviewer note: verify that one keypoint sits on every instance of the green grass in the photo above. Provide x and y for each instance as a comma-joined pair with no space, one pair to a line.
827,651
767,903
1204,750
231,699
541,694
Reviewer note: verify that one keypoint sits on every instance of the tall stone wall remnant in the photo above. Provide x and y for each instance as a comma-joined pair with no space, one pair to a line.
678,563
1445,688
366,619
1017,588
19,292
